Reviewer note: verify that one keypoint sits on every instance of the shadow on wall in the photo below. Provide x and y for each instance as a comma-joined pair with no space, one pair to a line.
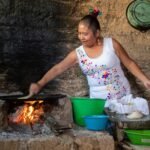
32,37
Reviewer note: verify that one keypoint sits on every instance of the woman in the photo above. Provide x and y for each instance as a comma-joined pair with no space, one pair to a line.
99,59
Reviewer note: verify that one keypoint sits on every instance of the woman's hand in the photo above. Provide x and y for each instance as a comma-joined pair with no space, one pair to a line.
147,83
35,88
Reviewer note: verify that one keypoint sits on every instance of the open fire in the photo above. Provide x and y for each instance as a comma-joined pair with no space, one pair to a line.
41,115
30,113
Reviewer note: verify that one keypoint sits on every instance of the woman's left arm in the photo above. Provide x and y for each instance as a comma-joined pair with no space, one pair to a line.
130,64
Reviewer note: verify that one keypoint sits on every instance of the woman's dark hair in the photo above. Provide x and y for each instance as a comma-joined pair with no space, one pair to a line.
92,22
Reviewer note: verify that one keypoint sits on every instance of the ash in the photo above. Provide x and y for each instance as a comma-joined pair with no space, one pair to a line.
38,129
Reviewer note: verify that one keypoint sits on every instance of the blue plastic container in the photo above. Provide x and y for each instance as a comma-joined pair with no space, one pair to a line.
96,122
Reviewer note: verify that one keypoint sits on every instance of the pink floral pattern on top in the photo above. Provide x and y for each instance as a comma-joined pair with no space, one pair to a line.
103,76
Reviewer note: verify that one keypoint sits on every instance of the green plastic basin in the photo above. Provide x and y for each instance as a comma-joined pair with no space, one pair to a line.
84,106
138,137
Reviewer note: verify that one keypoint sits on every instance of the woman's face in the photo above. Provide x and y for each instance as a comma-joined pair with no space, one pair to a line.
86,35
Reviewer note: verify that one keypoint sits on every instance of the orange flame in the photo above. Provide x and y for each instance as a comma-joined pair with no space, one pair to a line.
29,113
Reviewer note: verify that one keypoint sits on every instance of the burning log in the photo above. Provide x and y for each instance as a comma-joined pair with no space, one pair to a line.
29,113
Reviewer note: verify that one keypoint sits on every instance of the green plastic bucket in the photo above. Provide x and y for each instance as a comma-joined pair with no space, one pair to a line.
138,137
84,106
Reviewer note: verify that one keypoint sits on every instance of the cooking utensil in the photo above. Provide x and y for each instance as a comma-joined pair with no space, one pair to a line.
14,98
27,96
138,14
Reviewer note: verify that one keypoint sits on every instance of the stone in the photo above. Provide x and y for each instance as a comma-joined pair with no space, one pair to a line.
3,115
62,113
76,140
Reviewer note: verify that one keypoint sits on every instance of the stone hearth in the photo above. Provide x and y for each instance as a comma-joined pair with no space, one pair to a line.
74,138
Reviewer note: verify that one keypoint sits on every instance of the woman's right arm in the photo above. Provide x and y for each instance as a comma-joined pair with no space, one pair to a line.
69,61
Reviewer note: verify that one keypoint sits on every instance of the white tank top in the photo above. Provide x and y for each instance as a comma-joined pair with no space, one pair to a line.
104,73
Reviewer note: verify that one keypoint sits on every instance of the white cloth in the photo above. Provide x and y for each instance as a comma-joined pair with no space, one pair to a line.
128,104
